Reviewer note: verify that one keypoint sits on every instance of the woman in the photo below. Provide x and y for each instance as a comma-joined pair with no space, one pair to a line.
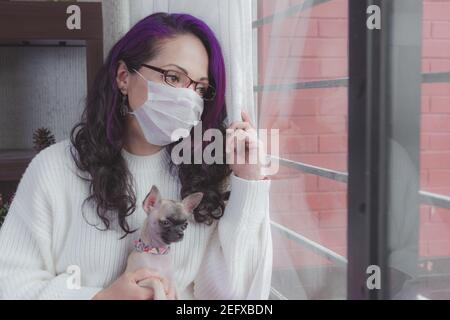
72,223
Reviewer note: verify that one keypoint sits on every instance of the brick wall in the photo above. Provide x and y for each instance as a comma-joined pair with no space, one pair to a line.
435,128
313,124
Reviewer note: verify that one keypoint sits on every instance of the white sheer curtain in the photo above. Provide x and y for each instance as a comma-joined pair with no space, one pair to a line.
230,20
294,49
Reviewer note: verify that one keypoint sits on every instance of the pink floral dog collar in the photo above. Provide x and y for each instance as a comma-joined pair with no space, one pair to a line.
141,246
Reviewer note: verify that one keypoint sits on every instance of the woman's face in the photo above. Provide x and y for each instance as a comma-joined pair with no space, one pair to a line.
184,53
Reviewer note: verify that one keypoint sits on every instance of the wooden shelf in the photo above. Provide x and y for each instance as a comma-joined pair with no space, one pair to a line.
28,23
47,20
34,23
13,163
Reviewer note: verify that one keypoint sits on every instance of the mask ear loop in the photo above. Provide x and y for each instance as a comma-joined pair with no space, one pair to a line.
140,74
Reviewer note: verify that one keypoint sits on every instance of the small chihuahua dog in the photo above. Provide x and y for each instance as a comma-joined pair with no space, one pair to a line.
165,223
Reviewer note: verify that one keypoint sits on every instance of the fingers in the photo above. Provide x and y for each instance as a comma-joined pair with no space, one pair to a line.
144,273
169,289
246,117
171,294
146,293
240,125
245,124
241,131
250,138
165,283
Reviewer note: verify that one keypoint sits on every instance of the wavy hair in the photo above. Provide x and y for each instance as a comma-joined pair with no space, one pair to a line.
97,140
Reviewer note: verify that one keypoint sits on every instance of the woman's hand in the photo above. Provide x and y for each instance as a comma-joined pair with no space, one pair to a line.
237,132
126,287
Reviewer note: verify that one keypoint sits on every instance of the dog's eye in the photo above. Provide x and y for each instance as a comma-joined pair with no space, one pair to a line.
164,222
184,226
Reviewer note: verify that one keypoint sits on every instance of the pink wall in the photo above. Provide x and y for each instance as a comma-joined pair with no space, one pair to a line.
313,124
435,130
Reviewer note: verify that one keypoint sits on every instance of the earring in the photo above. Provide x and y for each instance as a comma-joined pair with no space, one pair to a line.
124,106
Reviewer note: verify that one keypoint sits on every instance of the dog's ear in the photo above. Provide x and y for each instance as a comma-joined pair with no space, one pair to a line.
192,201
152,200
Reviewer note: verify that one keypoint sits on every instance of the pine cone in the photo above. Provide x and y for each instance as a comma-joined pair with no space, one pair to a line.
42,138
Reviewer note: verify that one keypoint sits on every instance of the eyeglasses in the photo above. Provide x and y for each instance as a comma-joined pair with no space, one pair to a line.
179,79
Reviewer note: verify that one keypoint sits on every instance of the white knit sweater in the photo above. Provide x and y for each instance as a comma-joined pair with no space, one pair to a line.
44,234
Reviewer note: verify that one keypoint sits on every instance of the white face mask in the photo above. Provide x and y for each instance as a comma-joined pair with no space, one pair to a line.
166,110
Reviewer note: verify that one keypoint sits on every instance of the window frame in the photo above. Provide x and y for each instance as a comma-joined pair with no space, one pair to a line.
370,113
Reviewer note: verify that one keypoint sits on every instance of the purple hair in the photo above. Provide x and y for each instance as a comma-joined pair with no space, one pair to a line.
143,38
99,137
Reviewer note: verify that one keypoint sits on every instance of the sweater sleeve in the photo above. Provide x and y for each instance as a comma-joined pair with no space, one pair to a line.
238,260
26,261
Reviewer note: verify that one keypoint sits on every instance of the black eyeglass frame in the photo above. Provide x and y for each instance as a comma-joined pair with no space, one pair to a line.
164,72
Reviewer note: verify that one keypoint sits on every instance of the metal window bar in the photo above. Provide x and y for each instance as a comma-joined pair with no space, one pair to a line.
316,247
425,197
331,83
435,77
433,199
275,294
367,121
384,88
318,171
290,11
311,245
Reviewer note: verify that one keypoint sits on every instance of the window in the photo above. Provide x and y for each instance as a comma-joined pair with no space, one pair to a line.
364,146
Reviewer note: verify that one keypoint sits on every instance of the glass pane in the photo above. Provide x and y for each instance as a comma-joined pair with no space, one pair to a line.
298,56
420,245
434,244
436,36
